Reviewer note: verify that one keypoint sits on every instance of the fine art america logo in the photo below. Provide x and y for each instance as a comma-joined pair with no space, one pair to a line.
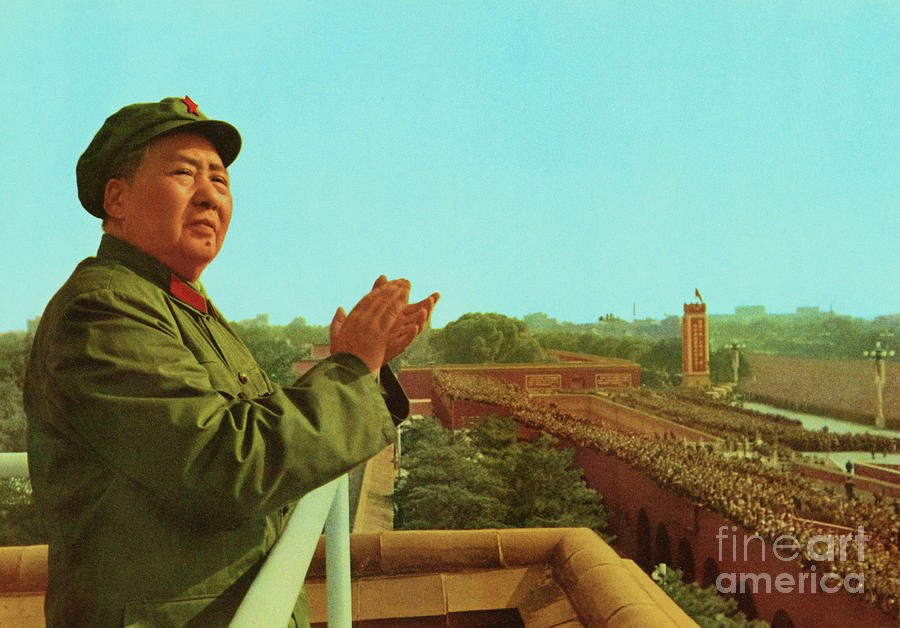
824,550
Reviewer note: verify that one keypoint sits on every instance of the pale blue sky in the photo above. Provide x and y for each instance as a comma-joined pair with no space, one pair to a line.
574,158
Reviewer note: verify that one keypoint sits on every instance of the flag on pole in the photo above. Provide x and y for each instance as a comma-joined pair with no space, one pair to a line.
697,292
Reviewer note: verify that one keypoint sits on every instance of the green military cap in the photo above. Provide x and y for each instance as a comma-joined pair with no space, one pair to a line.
135,125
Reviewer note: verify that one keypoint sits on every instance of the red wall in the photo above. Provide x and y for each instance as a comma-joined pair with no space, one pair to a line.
877,472
421,406
629,494
418,382
575,376
873,485
456,414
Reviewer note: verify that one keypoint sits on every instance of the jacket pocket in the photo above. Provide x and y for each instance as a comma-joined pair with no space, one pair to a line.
222,378
248,380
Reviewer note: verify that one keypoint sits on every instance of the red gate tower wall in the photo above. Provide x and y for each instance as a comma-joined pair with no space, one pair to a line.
694,346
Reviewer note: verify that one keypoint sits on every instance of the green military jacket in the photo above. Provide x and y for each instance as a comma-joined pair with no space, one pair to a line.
162,458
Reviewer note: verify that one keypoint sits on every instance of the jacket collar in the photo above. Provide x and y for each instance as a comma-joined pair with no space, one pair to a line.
151,269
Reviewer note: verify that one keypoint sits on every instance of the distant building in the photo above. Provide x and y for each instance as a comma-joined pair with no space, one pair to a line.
320,352
811,310
316,353
572,373
750,311
261,320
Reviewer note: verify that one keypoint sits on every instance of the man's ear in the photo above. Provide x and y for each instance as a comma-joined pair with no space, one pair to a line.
112,198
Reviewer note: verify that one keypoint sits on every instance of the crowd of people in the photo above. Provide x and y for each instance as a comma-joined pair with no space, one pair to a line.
732,422
765,499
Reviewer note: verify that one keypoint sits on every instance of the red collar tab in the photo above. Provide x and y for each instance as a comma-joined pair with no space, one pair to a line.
185,293
191,105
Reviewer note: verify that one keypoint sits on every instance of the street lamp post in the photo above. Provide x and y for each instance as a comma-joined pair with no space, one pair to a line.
736,357
879,354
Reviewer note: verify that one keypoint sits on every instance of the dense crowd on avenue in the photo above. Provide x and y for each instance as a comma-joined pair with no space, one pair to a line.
732,422
764,498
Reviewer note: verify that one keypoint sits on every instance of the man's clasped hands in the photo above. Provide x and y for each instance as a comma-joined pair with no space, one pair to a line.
382,325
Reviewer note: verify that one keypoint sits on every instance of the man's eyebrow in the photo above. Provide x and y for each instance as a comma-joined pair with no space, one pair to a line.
197,163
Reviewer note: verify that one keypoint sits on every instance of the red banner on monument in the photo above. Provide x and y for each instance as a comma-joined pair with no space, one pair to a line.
698,344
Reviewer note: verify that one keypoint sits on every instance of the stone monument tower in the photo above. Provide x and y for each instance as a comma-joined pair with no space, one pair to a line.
695,345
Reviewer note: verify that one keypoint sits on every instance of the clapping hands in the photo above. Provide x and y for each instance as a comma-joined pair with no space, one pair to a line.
382,325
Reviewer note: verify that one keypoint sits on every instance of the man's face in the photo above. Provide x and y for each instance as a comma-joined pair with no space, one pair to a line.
178,205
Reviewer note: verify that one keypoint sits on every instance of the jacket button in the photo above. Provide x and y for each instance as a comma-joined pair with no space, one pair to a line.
242,377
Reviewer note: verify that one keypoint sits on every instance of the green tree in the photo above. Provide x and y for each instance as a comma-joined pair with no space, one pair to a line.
493,436
664,355
670,326
302,335
540,321
12,416
547,493
541,488
14,348
810,335
271,350
19,520
705,606
661,364
721,369
419,353
484,477
442,485
563,340
477,338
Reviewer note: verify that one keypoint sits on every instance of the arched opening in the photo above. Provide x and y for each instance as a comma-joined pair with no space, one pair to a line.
643,542
685,560
710,573
782,620
663,553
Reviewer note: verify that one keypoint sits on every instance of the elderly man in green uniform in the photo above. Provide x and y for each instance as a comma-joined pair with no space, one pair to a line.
164,461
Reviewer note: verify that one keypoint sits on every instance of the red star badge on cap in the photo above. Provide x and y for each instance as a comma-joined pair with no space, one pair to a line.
191,105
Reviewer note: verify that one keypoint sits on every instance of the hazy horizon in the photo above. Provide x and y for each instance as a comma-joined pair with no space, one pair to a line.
285,321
